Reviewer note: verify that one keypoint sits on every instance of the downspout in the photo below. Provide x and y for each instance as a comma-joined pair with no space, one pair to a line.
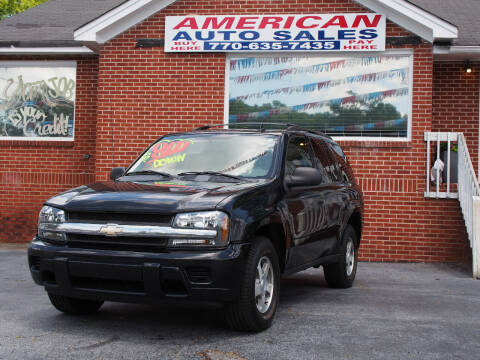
478,139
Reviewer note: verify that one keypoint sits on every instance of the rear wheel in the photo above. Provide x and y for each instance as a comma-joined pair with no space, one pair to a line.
342,274
255,308
74,306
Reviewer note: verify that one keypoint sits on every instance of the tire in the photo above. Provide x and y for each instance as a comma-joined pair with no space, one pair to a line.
342,274
74,306
261,280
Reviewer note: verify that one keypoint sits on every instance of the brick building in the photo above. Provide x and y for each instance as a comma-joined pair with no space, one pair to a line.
86,85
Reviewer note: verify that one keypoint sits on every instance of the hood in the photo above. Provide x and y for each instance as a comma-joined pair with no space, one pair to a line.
148,196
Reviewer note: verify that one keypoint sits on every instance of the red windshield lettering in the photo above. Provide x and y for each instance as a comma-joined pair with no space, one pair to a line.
164,149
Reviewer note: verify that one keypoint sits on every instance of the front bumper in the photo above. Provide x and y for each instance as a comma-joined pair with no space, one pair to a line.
138,276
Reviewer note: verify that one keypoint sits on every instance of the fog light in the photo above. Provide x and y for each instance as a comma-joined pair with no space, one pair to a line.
50,235
182,242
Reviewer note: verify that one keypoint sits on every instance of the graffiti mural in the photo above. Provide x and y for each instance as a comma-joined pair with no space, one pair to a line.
37,100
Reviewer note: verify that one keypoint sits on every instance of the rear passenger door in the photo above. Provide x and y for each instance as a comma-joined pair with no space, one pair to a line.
334,193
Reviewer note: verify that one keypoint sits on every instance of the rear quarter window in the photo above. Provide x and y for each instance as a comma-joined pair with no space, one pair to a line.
344,167
325,158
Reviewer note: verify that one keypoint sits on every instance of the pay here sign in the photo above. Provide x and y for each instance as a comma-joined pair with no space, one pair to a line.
312,32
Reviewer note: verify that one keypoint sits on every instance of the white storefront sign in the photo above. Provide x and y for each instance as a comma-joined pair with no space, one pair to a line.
311,32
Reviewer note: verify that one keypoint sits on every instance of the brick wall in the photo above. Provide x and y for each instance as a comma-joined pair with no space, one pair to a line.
455,102
33,171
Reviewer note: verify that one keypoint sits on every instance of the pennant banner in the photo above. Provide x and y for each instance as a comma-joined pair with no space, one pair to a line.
311,69
247,63
375,96
369,126
396,73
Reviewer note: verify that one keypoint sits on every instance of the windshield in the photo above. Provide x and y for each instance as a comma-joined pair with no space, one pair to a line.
245,155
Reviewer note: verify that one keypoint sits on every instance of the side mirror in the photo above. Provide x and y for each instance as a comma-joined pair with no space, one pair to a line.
304,176
116,173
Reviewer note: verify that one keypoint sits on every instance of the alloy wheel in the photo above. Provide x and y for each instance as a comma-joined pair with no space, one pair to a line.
264,284
350,257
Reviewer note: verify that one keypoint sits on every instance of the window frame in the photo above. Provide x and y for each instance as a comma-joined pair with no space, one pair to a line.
407,52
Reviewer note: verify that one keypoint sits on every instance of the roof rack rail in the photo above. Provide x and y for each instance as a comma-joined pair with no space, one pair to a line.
261,126
316,132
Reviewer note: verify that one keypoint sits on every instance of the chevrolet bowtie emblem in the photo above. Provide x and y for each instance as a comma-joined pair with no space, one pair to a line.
111,230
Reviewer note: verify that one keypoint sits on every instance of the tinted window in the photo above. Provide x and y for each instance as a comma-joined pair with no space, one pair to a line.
344,167
298,154
325,158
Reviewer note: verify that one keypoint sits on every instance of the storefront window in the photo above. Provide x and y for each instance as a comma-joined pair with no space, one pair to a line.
37,100
348,96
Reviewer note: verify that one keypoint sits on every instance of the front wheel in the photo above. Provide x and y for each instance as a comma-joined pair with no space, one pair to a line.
342,274
255,308
74,306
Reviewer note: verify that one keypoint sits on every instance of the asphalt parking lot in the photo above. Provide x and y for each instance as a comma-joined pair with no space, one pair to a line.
394,311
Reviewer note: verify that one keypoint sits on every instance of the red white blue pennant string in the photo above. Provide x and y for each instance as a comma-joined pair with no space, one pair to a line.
396,73
311,69
247,63
373,96
369,126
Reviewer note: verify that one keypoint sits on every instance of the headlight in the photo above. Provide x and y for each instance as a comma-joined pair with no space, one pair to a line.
48,221
205,220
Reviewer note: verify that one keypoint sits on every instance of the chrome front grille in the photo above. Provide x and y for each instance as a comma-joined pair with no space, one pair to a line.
119,218
121,232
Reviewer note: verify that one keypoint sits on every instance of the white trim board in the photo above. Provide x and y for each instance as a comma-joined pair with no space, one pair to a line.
458,53
118,20
132,12
39,139
45,50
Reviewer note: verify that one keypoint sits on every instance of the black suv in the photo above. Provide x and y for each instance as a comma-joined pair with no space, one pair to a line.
212,215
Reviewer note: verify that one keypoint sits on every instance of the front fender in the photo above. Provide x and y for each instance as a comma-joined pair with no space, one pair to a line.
253,210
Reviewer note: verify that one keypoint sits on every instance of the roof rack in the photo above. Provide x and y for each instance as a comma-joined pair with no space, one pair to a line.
316,132
261,125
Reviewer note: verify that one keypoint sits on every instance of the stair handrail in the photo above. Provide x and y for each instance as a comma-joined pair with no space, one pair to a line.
469,197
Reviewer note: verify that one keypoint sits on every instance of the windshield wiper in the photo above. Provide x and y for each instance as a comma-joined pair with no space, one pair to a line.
214,173
149,172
